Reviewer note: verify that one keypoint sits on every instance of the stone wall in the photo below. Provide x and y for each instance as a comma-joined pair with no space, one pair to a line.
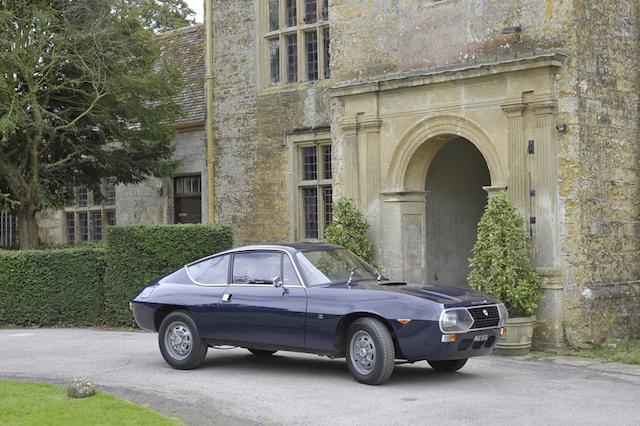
251,123
599,174
379,37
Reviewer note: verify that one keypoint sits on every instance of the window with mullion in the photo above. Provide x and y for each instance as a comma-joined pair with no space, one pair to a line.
316,193
296,41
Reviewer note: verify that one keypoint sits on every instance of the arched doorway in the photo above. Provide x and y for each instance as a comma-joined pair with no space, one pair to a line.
455,202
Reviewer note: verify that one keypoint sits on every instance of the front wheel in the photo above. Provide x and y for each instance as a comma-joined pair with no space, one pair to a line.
370,351
179,341
451,365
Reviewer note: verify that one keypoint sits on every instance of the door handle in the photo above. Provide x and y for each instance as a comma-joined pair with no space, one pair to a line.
226,297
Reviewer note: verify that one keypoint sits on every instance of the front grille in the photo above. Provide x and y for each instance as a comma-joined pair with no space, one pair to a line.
484,316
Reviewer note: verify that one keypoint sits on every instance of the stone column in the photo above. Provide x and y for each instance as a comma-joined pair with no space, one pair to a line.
518,180
350,163
548,331
404,235
545,183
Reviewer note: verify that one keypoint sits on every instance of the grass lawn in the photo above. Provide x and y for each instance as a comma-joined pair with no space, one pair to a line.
627,352
24,403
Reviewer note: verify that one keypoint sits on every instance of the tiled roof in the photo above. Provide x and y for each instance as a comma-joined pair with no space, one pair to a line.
186,47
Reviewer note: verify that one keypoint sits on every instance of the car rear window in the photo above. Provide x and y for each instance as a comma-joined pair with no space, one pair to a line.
214,270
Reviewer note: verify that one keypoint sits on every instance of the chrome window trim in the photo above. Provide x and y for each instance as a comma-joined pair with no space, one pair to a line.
231,252
466,308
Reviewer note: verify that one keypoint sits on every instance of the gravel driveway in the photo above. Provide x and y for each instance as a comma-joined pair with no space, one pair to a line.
235,387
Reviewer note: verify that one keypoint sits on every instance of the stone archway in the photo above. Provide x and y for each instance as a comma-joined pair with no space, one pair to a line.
455,201
406,197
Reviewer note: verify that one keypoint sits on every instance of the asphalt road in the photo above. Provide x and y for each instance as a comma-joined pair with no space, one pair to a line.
234,387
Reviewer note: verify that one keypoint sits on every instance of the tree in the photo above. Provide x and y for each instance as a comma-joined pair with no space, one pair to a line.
83,96
500,264
349,229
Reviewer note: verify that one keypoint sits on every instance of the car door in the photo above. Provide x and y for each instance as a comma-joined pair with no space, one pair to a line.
254,311
211,277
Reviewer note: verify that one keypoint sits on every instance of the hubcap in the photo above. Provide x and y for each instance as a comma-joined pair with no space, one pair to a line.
363,352
178,340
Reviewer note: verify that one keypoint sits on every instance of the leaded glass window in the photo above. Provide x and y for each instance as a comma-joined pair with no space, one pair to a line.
295,41
315,186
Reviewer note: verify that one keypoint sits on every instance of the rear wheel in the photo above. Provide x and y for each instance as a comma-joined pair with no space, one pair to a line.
370,351
451,365
261,352
179,341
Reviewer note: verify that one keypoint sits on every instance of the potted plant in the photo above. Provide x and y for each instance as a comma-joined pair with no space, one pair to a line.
501,266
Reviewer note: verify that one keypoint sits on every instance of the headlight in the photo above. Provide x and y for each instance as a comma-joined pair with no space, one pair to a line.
146,292
504,314
455,321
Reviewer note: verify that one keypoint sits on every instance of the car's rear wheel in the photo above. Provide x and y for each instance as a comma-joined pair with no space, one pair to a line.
261,352
370,351
180,344
451,365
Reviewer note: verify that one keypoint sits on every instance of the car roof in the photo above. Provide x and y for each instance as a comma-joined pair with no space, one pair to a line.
290,247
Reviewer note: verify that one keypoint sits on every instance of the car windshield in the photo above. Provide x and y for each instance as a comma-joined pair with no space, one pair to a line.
333,266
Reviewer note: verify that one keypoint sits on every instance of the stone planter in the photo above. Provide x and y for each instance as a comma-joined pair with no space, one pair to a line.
518,339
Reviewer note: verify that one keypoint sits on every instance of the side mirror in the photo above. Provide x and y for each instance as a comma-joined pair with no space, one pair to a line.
277,282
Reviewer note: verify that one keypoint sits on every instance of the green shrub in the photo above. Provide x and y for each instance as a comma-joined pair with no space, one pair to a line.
500,264
349,229
52,287
139,254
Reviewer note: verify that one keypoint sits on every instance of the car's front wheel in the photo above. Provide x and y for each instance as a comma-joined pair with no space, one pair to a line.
370,351
180,344
451,365
261,352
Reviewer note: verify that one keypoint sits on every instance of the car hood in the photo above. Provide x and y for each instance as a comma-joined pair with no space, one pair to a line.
446,295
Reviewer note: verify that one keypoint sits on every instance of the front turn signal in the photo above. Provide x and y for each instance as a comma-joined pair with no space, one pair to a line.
403,321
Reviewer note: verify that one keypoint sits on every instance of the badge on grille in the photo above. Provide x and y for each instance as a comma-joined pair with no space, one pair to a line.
485,312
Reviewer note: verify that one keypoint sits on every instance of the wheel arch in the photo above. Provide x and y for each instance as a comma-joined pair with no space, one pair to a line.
348,319
162,312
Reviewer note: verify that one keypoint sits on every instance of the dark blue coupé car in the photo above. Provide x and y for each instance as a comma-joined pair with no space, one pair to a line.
315,298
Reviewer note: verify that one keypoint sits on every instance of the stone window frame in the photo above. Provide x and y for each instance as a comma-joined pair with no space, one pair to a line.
281,34
95,203
296,143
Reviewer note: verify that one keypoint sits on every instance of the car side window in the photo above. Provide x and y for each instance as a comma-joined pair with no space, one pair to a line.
289,276
256,267
214,270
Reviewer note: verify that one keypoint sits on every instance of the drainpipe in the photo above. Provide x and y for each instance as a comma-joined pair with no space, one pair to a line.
211,163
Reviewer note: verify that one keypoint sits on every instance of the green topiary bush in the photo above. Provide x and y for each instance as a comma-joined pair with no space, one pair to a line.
500,264
139,254
349,229
52,287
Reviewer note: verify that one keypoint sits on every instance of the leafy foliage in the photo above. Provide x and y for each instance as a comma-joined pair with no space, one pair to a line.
93,286
138,254
349,229
52,287
500,264
83,96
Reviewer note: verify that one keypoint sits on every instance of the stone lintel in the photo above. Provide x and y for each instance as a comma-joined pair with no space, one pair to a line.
453,73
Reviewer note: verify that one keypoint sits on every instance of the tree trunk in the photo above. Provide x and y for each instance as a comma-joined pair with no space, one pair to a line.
27,229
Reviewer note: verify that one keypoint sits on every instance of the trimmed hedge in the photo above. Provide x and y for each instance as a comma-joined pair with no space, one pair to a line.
139,254
52,287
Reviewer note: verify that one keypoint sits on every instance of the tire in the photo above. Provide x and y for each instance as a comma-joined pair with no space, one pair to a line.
370,351
179,341
261,352
448,366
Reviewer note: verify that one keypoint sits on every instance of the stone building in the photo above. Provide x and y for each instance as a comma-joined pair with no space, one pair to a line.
177,199
419,109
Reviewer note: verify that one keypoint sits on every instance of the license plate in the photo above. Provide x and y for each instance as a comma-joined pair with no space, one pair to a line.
481,338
